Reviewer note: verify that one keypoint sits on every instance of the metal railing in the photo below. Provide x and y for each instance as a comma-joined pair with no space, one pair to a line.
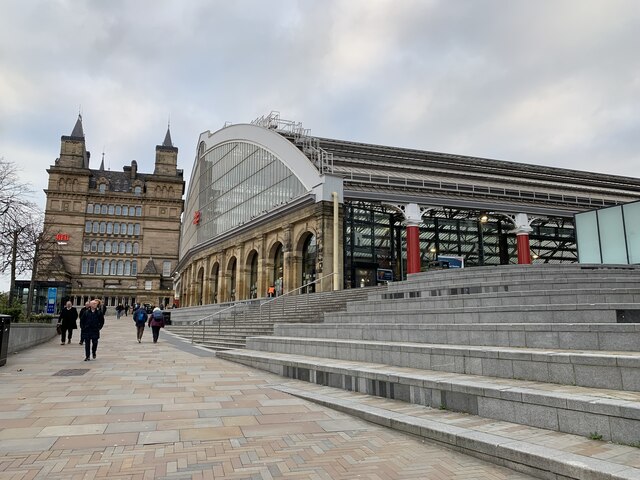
231,308
283,298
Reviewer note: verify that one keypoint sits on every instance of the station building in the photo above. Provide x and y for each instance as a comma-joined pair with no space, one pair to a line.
270,207
108,234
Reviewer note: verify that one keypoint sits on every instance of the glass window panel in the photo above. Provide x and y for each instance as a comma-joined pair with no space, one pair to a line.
103,227
122,247
85,266
632,229
123,228
109,227
96,226
125,210
107,247
114,246
129,247
130,229
116,228
118,210
99,267
89,207
134,267
120,267
87,226
127,268
136,248
94,246
103,209
588,239
96,208
137,229
92,267
111,210
100,246
138,211
612,241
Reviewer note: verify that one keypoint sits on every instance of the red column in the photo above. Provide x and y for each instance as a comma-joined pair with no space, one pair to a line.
524,251
413,249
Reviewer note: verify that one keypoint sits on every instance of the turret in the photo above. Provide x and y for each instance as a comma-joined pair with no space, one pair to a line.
166,157
73,151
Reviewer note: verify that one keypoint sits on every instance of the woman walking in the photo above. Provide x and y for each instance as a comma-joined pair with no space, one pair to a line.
156,322
67,322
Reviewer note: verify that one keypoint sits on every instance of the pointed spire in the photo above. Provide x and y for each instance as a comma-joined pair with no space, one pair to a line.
102,163
77,129
167,139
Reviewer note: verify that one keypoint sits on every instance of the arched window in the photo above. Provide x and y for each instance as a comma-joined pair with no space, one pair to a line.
111,210
89,207
123,229
130,229
92,267
85,266
103,227
103,209
137,229
138,211
125,210
98,267
309,260
127,268
134,268
100,246
94,246
96,226
137,190
86,246
120,267
122,247
116,228
114,247
114,266
136,248
278,270
87,226
110,228
129,247
96,208
118,210
102,188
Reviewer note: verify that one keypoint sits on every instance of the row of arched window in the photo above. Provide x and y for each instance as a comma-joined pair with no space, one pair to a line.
112,228
110,247
125,210
110,267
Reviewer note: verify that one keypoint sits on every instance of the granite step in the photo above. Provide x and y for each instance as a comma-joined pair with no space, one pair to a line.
610,370
613,415
569,336
530,450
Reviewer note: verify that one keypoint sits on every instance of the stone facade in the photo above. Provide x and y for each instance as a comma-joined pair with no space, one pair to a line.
115,234
222,272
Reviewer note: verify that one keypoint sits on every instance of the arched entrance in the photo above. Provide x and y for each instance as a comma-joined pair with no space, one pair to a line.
215,281
232,271
309,262
199,286
252,274
277,274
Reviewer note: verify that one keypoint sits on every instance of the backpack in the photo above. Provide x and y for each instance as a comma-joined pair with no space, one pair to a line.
157,315
140,316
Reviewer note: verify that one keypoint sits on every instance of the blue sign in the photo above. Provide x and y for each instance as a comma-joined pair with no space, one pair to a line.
52,296
453,262
385,275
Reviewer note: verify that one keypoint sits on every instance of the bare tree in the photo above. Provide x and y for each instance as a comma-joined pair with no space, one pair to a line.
18,218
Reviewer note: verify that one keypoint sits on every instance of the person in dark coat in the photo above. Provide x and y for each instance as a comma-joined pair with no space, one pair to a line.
67,322
82,310
156,322
91,323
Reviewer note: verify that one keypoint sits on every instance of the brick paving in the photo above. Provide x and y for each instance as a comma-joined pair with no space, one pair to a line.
171,411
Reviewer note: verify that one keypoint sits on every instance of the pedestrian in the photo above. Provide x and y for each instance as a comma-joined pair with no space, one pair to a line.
119,310
67,321
91,323
82,312
156,322
140,318
126,309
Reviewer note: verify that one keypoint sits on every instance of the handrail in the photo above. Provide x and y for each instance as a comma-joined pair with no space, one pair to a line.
245,303
291,292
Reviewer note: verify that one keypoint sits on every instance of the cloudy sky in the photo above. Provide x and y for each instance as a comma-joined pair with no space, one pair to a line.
548,82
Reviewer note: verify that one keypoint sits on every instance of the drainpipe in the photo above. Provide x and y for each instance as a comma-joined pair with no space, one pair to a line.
336,235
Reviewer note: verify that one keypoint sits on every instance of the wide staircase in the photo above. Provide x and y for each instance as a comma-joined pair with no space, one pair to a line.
534,367
226,326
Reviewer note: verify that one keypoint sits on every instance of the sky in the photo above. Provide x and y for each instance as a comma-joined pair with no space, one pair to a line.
545,82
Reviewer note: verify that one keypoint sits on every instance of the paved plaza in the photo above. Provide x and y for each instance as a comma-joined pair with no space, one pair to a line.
173,411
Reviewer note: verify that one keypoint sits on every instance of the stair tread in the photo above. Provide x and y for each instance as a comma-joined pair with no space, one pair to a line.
628,399
564,451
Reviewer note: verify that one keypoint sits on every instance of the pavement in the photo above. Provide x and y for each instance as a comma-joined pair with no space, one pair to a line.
171,410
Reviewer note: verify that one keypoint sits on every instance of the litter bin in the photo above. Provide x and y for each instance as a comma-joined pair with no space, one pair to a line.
166,316
5,326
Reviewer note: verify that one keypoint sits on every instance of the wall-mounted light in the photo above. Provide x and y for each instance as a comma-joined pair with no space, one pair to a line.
484,218
432,249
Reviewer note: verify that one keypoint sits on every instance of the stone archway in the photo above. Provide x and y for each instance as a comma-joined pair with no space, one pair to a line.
232,280
199,286
215,282
275,274
308,248
252,275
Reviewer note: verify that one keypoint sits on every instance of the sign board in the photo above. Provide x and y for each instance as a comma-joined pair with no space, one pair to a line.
385,275
52,295
454,262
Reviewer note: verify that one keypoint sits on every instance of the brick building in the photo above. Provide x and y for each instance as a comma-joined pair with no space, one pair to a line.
109,234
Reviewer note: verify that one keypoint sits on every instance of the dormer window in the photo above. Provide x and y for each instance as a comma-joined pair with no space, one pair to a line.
102,188
137,190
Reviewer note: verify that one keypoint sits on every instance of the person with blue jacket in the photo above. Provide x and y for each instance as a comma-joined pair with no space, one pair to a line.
91,323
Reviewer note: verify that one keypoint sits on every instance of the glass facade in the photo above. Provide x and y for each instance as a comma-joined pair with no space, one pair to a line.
240,181
375,241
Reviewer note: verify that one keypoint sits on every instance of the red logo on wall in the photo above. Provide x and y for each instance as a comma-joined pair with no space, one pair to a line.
62,237
196,217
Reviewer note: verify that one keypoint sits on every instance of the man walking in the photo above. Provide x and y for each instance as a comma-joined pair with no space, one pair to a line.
91,323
